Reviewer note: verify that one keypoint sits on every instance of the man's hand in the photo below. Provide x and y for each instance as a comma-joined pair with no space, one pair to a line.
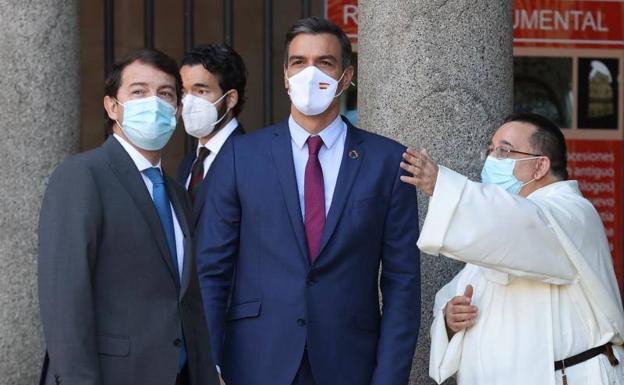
221,382
459,314
423,169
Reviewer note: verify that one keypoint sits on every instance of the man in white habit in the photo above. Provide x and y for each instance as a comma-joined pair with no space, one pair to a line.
537,302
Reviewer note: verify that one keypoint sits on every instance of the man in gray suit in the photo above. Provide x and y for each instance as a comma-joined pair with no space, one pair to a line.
118,287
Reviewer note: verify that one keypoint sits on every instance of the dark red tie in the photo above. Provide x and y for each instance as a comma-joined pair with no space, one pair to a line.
314,197
197,172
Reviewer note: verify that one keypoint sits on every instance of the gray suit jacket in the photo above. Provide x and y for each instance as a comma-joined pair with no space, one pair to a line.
113,312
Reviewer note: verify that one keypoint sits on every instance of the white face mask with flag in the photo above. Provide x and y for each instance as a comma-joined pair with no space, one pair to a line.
312,91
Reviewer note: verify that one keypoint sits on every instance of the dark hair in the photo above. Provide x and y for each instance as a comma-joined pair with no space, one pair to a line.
226,64
316,25
150,57
547,140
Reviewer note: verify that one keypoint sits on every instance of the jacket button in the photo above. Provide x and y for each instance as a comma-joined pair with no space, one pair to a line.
301,322
177,342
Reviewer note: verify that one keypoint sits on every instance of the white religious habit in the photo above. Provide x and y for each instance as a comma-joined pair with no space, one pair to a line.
543,282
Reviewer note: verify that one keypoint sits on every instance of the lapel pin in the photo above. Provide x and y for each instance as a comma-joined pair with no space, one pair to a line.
353,154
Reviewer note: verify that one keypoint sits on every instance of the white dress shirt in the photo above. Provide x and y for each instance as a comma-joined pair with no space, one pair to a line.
143,164
330,156
214,146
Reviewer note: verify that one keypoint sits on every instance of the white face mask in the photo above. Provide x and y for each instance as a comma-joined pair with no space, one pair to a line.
200,116
312,91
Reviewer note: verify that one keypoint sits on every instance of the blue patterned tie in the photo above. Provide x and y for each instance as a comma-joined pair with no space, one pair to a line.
163,207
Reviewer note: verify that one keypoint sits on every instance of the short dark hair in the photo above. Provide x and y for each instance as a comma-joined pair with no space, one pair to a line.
222,61
547,140
152,57
316,25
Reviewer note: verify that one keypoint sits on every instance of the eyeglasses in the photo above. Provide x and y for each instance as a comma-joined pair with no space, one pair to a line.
502,152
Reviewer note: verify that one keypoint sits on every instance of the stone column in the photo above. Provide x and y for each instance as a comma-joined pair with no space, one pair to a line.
435,74
39,123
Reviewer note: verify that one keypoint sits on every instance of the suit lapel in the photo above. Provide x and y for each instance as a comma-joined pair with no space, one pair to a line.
131,180
283,158
349,167
199,202
187,168
200,198
183,222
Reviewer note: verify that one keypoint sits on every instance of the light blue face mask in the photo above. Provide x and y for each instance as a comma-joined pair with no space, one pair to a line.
148,122
500,172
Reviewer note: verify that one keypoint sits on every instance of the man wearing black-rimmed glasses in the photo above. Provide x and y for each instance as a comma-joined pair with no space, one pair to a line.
537,302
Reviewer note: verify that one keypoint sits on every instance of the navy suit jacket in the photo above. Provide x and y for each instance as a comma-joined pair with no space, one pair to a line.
263,300
184,170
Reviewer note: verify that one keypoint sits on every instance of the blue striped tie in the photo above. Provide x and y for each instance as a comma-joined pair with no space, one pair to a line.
163,207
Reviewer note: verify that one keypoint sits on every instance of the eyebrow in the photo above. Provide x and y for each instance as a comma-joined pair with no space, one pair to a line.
138,84
295,57
507,143
325,57
322,57
200,85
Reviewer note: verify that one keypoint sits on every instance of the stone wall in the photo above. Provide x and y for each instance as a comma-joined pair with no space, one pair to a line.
39,123
435,74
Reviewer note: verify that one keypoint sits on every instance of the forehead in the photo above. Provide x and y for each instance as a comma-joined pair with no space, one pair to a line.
139,72
193,74
518,134
307,44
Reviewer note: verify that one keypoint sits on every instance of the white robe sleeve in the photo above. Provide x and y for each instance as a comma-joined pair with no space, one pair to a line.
487,226
445,354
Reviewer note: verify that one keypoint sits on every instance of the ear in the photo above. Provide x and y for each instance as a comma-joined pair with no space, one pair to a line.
231,100
112,108
347,78
543,168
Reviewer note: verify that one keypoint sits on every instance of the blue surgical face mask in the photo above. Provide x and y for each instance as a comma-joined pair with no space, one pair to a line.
148,122
500,172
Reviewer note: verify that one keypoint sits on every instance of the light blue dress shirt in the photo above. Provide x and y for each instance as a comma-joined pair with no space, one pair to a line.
330,156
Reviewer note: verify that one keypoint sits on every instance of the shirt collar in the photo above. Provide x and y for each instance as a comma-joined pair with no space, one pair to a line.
329,134
139,160
215,143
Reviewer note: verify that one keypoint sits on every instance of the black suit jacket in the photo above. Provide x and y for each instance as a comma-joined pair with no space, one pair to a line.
184,170
113,311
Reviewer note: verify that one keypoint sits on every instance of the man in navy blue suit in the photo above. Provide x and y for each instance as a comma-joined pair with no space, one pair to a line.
298,219
213,81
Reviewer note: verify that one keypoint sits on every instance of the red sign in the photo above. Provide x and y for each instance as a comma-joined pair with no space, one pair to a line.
345,14
597,165
562,23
